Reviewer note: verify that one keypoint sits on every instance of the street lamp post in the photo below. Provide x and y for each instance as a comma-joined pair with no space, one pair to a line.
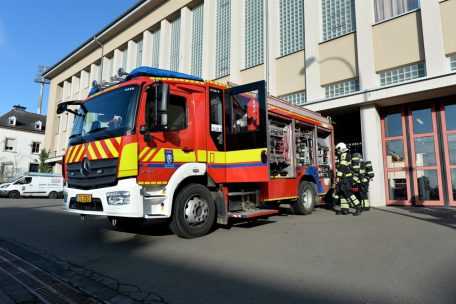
40,79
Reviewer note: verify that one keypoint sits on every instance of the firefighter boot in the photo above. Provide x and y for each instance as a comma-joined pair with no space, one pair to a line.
343,211
359,209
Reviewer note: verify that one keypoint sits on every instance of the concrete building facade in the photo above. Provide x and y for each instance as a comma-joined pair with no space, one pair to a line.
383,70
21,141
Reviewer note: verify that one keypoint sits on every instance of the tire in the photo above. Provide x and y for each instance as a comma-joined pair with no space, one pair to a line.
53,195
193,212
14,194
306,199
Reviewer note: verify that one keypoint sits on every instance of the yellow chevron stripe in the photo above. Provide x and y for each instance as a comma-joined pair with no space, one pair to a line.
101,150
80,153
118,139
111,148
73,154
70,150
143,152
91,152
149,155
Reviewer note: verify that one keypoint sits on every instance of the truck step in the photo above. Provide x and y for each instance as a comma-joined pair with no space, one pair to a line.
252,213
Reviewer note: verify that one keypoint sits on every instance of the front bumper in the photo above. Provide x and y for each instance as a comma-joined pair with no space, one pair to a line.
100,206
145,201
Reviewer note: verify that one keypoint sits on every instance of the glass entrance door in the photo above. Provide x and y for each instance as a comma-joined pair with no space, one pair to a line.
448,114
425,160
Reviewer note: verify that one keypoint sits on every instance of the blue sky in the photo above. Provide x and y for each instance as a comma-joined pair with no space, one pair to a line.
43,32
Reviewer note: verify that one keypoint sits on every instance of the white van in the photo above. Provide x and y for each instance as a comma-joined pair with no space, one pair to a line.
34,184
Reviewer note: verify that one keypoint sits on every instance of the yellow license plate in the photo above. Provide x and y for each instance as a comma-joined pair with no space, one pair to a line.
84,198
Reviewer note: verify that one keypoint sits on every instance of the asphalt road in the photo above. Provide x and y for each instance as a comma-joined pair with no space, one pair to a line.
387,255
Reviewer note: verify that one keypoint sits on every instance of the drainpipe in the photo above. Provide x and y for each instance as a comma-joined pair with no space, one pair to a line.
102,54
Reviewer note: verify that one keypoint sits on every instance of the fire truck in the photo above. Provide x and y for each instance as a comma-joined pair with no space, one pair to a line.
157,144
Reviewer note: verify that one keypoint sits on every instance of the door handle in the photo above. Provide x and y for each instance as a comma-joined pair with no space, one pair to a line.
187,149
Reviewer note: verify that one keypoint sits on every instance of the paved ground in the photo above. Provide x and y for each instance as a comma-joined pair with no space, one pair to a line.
387,255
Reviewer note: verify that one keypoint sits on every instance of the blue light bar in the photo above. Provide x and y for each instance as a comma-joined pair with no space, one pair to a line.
154,72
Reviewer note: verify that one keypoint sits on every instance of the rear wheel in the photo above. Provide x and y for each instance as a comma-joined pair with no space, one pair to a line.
14,194
306,199
53,195
193,212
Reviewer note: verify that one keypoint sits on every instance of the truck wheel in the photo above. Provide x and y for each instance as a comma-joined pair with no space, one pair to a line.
53,195
14,194
306,199
193,212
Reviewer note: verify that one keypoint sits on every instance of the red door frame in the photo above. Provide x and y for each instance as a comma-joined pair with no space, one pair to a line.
385,139
437,166
449,166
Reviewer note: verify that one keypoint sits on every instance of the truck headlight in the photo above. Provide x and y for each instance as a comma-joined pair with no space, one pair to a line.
118,198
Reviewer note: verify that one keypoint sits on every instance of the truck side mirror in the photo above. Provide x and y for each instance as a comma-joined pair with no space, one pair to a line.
61,107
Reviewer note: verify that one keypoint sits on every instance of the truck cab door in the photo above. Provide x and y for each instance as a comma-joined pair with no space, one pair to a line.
246,133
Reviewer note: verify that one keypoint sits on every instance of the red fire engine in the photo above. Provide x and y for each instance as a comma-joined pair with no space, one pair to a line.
162,144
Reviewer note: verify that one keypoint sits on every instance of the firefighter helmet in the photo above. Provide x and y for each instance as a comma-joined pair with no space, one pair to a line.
341,147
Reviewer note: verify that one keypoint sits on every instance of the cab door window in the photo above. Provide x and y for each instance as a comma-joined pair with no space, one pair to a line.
177,112
24,181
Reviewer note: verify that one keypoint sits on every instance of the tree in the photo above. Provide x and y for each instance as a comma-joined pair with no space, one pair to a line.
44,168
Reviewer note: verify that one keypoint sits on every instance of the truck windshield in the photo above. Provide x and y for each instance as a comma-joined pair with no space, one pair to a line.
110,114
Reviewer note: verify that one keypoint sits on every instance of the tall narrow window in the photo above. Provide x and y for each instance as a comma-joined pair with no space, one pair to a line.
338,18
253,33
291,26
139,53
35,147
223,37
175,39
386,9
197,41
155,48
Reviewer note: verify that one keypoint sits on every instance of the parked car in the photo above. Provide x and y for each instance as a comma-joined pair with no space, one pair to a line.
34,184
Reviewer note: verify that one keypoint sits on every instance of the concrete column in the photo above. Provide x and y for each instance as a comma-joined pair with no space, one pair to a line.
147,49
118,58
132,51
165,43
94,74
66,91
373,151
274,45
185,44
436,63
106,65
237,41
75,86
365,46
312,25
209,25
84,85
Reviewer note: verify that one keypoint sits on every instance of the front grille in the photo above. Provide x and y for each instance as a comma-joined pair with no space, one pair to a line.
95,205
101,173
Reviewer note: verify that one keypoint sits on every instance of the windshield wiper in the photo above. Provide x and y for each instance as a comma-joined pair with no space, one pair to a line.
97,129
78,136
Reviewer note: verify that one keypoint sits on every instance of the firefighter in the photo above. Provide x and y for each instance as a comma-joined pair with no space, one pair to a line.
345,176
366,175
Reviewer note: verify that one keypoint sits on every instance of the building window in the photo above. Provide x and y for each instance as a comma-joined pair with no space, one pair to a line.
253,33
10,144
453,62
175,39
386,9
38,125
155,48
12,121
298,98
338,18
139,52
402,74
341,88
197,41
223,38
291,26
34,167
35,147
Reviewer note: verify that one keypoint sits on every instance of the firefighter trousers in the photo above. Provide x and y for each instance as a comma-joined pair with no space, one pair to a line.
346,195
363,189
